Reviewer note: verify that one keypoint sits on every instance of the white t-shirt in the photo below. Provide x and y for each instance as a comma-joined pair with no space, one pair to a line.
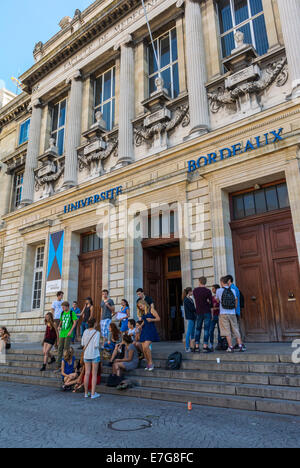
92,337
56,305
219,296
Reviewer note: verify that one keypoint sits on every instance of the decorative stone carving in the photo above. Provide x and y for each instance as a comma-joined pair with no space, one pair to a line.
239,37
94,155
49,171
65,22
276,73
38,51
147,134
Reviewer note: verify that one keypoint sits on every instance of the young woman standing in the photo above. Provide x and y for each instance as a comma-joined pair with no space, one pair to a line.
4,340
91,346
190,316
49,340
149,333
125,310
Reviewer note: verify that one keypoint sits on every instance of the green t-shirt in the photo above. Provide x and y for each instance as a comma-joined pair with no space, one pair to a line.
67,323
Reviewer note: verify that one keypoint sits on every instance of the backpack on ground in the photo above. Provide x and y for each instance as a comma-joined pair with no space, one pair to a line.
228,300
224,344
174,361
113,380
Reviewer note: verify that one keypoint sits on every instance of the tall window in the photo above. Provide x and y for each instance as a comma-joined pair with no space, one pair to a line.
167,52
38,277
18,186
246,16
58,125
104,97
24,131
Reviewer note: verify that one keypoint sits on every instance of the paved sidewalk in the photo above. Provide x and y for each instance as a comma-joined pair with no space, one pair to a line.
44,417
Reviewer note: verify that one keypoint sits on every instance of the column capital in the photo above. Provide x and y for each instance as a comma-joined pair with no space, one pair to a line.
75,76
35,104
123,41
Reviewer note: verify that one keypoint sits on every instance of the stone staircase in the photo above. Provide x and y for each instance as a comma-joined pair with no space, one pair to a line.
254,382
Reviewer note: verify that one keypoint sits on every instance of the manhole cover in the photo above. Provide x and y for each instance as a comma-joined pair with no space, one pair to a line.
130,424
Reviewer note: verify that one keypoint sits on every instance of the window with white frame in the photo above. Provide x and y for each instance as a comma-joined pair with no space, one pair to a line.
24,131
104,97
167,53
246,16
38,277
58,122
18,187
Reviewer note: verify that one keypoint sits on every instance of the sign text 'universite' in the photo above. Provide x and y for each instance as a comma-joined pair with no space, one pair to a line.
108,195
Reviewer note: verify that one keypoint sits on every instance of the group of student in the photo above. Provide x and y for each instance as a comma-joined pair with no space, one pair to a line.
122,337
208,309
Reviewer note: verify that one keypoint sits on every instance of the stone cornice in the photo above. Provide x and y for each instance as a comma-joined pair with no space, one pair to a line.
86,34
15,108
36,226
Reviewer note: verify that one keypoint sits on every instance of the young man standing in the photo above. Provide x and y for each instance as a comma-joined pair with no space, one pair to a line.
143,297
107,313
238,310
227,298
67,326
56,310
77,311
204,307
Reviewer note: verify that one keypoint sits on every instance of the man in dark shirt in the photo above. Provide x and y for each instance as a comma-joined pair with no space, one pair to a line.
142,297
204,306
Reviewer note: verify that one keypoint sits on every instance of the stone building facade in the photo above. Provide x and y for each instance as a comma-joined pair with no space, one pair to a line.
122,167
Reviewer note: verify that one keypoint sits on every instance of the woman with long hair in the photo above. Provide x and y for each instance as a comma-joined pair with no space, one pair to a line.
50,339
113,338
129,362
4,340
125,309
91,346
149,334
86,314
190,316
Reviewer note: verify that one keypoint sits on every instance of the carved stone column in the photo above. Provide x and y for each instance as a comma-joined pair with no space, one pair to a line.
290,22
73,130
33,150
126,103
196,67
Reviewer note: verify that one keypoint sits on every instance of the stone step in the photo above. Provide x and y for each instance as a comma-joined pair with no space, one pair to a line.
229,401
150,380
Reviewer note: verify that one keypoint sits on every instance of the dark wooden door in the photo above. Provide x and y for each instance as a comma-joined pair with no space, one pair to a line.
154,285
90,279
267,271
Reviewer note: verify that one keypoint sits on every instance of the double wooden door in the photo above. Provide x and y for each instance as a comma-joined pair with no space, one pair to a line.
267,272
90,279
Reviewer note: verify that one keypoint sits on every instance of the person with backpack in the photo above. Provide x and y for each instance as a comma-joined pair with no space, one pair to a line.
241,302
68,323
190,316
228,322
203,299
215,320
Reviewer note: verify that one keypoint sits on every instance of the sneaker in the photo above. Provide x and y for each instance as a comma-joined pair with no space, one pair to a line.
230,350
86,395
242,349
94,397
207,350
146,368
151,369
197,350
236,346
52,360
188,350
43,368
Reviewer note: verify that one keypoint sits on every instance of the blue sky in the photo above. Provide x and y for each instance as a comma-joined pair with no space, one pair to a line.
23,23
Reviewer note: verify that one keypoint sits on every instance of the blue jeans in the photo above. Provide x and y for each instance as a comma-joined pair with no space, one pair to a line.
213,324
84,326
190,334
206,319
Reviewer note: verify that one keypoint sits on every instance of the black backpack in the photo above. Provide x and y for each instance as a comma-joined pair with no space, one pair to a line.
174,361
224,344
113,380
228,299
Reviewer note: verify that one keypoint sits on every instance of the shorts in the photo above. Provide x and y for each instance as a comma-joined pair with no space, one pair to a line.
105,324
93,361
229,325
50,342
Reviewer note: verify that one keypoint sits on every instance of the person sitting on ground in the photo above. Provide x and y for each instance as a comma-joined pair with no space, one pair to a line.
228,322
130,360
50,339
4,340
113,338
68,372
